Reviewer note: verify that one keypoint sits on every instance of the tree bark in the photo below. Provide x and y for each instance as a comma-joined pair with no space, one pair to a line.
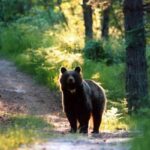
105,23
88,20
136,64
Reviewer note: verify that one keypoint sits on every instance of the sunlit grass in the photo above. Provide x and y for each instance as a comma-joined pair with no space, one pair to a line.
113,120
18,130
115,116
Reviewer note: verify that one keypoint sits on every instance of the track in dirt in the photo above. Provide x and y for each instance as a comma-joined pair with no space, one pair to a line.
20,94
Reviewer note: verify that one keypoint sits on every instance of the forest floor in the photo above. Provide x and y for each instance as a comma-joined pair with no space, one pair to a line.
19,93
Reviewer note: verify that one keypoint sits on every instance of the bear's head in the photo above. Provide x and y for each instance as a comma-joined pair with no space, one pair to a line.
70,80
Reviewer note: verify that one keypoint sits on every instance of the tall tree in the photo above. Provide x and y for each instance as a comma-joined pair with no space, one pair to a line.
105,22
88,20
136,65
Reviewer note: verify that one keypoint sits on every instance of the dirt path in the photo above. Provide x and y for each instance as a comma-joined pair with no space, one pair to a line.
19,89
20,94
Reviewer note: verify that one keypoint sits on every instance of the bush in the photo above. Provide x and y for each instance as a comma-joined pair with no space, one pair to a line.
115,51
94,50
111,78
19,37
11,10
110,52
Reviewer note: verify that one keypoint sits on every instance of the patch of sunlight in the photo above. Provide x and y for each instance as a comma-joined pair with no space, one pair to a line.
96,76
70,38
18,130
112,120
75,25
13,138
115,32
64,58
56,80
71,41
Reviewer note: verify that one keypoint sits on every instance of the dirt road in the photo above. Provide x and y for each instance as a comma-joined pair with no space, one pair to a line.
20,94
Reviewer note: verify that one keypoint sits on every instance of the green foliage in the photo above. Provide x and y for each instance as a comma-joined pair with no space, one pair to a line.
141,142
115,51
11,10
109,51
111,78
18,130
43,18
36,12
94,50
19,37
28,122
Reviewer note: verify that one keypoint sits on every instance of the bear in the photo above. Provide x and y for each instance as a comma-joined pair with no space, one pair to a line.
81,99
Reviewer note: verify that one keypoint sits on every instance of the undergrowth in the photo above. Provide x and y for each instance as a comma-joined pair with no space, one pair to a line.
18,130
141,123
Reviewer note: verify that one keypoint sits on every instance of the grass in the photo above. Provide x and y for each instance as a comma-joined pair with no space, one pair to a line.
17,130
141,123
113,121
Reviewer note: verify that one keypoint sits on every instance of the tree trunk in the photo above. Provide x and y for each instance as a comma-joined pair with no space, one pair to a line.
88,20
105,23
136,65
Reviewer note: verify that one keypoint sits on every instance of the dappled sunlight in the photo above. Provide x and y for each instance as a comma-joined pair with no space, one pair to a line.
21,129
115,32
73,12
57,57
71,38
70,41
112,121
96,76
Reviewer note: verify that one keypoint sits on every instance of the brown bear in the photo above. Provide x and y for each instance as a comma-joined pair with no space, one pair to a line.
81,99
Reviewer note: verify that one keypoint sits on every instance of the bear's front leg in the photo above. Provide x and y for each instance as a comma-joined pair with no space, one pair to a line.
73,122
84,121
83,128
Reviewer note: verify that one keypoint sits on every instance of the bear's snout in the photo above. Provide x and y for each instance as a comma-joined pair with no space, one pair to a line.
71,80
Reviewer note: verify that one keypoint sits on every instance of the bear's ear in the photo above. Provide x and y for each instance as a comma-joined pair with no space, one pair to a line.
78,69
63,69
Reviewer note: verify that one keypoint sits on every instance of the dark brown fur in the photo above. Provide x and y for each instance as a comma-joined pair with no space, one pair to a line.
81,99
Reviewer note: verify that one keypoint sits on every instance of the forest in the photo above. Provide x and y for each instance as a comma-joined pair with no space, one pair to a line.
108,39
